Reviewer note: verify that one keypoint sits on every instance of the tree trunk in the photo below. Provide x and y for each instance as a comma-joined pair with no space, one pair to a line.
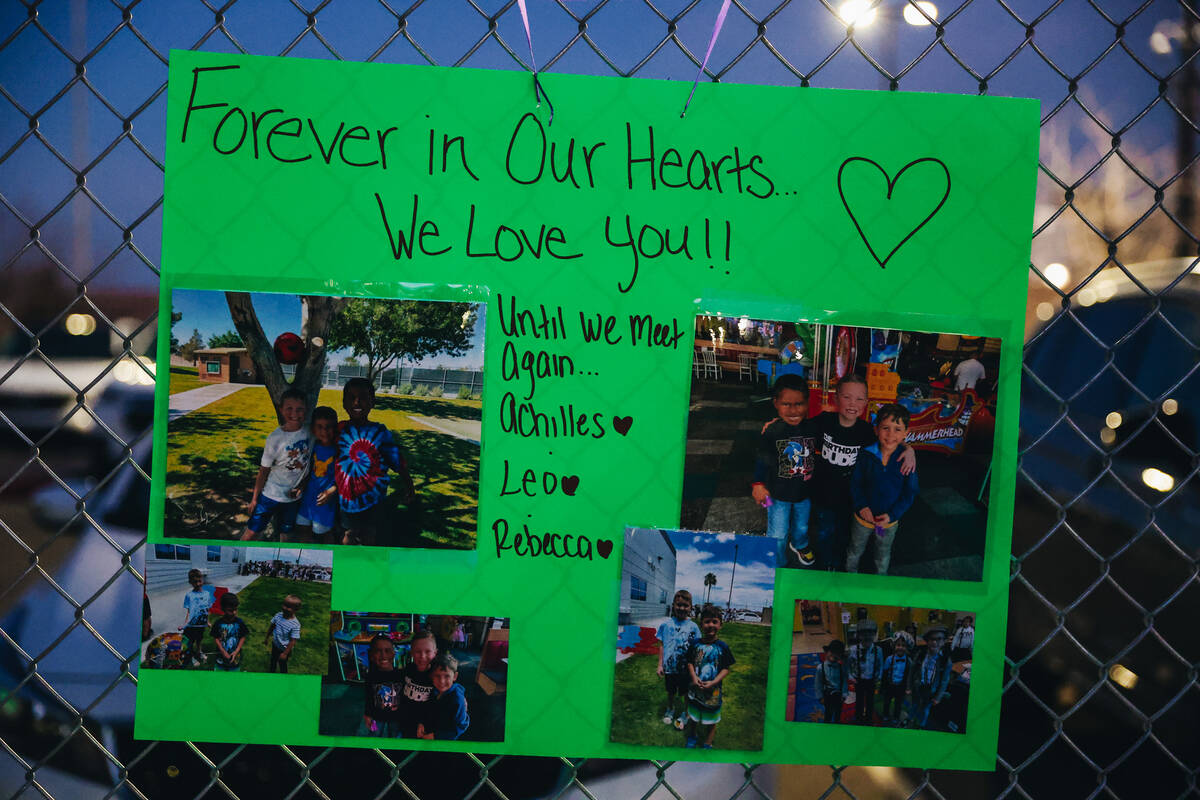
317,315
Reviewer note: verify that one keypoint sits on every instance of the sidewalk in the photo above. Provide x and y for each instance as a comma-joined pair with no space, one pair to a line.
186,402
166,605
466,429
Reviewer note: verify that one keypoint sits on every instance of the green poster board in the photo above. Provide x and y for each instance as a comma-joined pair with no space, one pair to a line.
595,242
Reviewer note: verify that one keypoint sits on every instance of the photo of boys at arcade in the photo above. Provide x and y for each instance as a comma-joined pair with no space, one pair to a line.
882,666
415,676
858,449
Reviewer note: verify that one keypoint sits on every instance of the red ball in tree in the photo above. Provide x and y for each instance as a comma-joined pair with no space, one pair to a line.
289,348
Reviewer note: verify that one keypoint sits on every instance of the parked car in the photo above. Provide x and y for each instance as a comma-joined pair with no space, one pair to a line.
1123,435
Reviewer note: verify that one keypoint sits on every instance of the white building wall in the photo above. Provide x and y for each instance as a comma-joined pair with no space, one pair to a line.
168,564
649,559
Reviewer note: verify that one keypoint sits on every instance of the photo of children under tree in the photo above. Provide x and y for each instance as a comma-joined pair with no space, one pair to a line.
327,420
856,449
694,628
237,609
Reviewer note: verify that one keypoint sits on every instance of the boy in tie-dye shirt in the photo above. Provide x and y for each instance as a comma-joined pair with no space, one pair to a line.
366,451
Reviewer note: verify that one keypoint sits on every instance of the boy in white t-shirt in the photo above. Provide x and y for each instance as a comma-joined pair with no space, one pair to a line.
283,633
282,470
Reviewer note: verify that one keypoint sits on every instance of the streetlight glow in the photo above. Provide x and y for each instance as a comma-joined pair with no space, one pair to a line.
913,13
1057,274
80,324
858,13
1157,479
1123,676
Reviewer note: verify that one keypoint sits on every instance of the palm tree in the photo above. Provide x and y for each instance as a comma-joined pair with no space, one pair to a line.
710,580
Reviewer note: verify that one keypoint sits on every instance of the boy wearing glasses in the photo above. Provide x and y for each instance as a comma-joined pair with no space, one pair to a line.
283,633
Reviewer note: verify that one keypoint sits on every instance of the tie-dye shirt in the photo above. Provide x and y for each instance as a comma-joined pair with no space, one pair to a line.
677,637
365,453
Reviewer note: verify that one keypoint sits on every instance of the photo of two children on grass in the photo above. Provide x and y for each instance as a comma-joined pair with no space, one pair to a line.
363,429
693,634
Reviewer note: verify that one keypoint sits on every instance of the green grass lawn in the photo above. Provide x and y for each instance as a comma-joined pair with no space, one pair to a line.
213,455
639,697
258,602
184,378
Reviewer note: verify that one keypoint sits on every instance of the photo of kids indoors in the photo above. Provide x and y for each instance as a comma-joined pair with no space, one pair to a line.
233,619
694,625
863,665
783,415
411,676
325,420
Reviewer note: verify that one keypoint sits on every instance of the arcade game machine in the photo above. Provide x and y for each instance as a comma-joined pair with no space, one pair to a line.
352,635
940,416
834,355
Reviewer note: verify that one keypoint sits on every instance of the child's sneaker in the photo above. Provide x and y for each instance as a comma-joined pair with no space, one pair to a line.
805,556
691,742
706,747
679,721
668,718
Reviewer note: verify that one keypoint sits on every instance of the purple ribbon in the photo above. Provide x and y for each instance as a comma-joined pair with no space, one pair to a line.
538,91
712,40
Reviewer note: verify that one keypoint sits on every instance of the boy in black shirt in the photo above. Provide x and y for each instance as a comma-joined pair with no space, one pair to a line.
783,469
229,632
384,689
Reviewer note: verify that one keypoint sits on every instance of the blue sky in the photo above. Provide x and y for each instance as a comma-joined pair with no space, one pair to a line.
278,313
701,553
1073,38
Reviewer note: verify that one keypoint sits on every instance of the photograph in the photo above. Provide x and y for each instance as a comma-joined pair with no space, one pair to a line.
693,634
415,676
882,666
855,449
324,420
236,609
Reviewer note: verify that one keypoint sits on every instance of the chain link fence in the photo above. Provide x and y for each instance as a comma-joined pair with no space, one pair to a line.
1100,694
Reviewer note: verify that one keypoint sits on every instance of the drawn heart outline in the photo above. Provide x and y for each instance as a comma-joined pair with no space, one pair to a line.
604,547
622,424
569,484
891,185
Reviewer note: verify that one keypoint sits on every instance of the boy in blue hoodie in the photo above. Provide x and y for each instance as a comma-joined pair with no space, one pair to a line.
446,717
881,493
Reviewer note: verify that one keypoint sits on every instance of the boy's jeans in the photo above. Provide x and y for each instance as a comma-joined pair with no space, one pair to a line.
860,534
788,522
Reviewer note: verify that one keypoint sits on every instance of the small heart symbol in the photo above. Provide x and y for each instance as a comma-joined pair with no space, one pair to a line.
622,424
604,547
570,483
901,208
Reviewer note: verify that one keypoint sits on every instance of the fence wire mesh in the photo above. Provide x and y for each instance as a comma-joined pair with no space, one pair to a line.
1100,694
